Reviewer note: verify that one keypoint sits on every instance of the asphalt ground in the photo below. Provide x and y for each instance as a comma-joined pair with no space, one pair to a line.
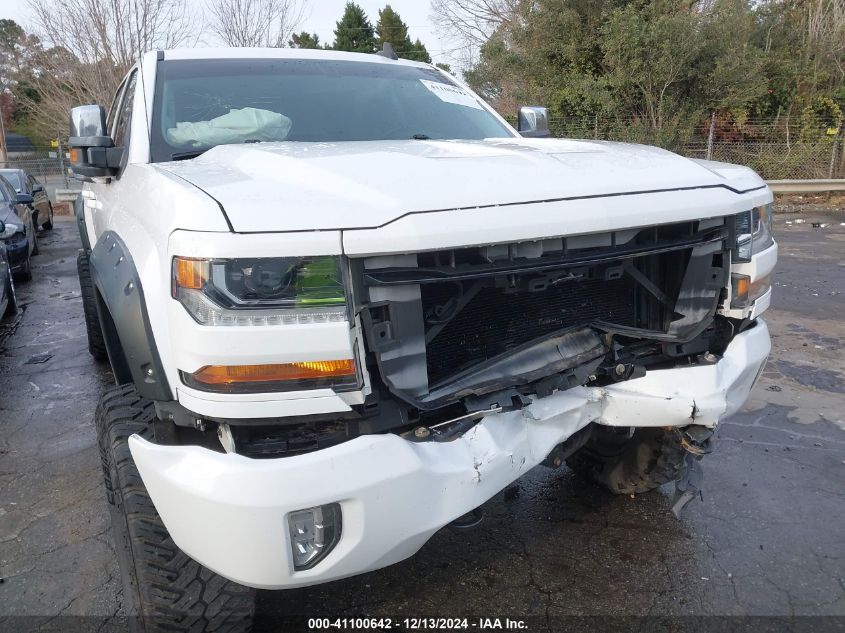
765,541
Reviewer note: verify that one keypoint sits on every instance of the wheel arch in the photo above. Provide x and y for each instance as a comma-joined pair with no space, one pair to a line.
123,315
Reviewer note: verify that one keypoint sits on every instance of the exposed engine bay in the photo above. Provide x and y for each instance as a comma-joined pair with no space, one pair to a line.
459,325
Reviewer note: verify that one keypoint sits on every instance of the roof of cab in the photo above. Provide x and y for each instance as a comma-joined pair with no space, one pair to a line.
279,53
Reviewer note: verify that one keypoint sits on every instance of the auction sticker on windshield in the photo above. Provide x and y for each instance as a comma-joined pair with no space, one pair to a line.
451,94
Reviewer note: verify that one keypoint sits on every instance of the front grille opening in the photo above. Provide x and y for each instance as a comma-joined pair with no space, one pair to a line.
470,321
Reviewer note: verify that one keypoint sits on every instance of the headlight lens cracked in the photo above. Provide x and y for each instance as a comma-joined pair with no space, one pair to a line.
260,291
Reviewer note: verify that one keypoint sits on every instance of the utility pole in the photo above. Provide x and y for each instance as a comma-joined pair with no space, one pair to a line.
709,155
833,153
3,155
60,153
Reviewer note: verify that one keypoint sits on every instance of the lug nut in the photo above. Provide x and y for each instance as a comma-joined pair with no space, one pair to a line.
421,432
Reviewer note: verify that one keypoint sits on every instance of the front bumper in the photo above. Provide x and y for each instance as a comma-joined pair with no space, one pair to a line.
229,512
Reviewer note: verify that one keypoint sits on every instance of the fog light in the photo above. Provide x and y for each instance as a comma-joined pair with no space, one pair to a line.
313,534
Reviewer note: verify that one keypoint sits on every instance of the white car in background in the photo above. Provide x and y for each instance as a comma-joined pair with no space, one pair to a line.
345,304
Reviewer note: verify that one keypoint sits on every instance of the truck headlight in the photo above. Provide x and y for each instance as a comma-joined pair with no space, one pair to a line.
260,291
753,232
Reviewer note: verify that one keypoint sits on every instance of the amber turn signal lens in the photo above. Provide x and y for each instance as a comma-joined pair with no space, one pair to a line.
188,273
740,287
309,370
74,155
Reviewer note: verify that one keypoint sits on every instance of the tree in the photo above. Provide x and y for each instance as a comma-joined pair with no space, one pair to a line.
390,28
354,32
261,23
657,66
648,51
444,66
418,52
304,40
88,46
473,22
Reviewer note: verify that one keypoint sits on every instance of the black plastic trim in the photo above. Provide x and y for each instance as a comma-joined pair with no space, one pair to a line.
79,212
122,304
397,276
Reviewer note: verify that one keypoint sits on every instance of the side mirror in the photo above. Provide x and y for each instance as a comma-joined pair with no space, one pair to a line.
37,188
533,122
92,151
24,198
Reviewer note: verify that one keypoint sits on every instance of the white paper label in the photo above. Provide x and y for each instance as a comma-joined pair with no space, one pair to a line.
451,94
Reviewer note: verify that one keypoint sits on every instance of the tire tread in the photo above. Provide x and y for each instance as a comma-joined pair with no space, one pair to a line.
168,590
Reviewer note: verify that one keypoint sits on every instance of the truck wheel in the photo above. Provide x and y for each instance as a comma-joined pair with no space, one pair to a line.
628,463
96,343
35,249
163,589
48,225
12,303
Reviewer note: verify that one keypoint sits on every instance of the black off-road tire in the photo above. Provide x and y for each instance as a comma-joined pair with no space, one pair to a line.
12,303
26,273
48,225
35,249
629,463
163,588
96,342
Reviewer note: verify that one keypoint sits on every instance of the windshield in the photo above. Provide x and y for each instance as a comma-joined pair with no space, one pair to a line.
13,178
202,103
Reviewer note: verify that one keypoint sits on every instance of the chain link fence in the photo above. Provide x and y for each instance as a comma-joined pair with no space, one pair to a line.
46,164
776,148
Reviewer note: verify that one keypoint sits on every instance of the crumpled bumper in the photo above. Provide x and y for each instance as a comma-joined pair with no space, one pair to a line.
229,512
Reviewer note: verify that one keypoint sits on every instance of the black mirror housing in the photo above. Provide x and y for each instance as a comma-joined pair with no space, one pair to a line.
92,151
24,198
533,122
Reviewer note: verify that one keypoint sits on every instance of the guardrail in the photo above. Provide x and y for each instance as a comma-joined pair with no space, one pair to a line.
67,195
807,186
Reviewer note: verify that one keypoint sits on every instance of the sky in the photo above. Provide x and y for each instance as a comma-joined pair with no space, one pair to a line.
320,18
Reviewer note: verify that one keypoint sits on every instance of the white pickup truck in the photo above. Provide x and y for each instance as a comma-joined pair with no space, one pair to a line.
346,303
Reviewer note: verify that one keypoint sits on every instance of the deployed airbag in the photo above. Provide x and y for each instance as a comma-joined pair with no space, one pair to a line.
238,126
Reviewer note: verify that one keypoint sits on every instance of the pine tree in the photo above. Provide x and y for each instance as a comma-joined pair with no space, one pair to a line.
418,52
390,28
354,31
304,40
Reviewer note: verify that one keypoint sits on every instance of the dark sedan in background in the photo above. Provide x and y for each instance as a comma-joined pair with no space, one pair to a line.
24,182
18,234
8,300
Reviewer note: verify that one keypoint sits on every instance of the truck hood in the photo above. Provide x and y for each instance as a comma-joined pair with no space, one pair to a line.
294,186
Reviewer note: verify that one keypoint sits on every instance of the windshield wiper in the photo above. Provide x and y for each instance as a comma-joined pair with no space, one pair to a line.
187,155
420,137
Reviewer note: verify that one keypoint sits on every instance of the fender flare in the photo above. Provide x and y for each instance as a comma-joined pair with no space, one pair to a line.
79,212
123,315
